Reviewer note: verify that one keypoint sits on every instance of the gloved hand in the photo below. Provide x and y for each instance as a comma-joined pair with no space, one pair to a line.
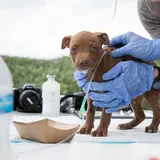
136,46
81,79
129,80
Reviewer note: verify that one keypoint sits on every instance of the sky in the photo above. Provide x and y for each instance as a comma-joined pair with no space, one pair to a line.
35,28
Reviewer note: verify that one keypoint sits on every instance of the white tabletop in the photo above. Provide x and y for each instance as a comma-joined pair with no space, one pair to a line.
87,147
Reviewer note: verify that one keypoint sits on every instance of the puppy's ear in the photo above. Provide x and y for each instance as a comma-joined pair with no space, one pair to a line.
103,37
65,42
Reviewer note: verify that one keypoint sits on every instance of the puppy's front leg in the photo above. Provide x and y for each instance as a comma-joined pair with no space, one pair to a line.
102,129
89,123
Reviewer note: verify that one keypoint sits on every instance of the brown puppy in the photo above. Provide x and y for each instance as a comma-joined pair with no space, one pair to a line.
86,51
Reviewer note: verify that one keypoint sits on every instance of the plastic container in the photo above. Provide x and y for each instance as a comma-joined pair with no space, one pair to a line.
51,97
6,108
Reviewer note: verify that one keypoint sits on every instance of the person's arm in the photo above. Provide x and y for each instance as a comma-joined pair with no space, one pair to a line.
149,15
136,46
155,0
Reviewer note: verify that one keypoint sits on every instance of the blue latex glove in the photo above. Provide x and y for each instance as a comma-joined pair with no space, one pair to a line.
81,79
136,46
129,80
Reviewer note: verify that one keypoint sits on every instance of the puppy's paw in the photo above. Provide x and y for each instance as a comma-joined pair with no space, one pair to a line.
151,129
124,126
100,132
86,129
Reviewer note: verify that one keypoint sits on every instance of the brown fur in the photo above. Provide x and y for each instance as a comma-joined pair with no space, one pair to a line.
86,50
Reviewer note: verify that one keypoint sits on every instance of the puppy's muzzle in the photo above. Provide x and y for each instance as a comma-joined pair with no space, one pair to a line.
84,64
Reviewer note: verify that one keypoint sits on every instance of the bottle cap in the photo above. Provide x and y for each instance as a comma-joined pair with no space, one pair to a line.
51,76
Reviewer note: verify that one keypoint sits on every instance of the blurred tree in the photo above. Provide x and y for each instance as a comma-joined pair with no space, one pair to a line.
26,70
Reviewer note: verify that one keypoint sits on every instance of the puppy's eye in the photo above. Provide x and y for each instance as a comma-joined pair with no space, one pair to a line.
73,50
93,48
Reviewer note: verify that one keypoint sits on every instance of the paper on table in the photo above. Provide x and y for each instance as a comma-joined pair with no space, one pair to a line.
137,134
122,136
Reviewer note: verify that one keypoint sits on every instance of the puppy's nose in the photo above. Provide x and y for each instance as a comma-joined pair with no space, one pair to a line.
84,64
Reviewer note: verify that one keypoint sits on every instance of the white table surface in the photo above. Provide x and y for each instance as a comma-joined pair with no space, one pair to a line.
87,147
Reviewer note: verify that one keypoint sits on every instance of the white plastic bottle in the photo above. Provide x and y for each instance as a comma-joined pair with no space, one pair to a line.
51,97
6,108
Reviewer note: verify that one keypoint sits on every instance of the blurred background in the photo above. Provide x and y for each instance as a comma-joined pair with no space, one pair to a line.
31,32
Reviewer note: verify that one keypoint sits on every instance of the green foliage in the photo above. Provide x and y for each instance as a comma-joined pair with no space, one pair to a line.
26,70
157,62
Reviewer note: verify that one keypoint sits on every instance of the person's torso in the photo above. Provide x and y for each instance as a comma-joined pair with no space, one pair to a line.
149,14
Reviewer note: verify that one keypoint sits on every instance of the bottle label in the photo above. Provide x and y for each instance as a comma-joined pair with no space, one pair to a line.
49,98
51,101
6,103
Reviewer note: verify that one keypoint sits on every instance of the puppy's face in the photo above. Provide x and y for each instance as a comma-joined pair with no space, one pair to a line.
85,49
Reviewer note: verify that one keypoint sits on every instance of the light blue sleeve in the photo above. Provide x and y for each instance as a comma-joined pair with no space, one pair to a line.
149,14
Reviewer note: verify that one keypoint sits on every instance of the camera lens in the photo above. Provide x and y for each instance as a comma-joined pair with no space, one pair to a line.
29,100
